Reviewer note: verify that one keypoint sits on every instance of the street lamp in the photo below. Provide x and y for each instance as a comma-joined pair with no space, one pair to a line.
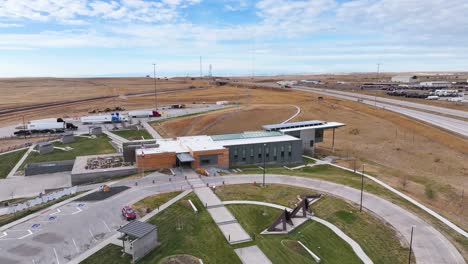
264,164
411,245
362,187
155,96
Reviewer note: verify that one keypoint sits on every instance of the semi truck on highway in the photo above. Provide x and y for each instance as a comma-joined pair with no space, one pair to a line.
45,126
99,119
143,113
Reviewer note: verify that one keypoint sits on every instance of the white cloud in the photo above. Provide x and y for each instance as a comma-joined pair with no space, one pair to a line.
78,11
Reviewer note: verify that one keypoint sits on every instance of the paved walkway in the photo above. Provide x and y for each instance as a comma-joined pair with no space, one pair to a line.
355,246
151,130
429,245
293,116
252,255
20,162
406,197
227,223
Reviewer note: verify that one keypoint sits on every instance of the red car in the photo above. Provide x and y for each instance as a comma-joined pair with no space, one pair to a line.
128,213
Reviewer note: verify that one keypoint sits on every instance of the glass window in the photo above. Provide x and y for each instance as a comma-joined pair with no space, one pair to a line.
243,153
259,152
235,152
251,151
267,151
290,150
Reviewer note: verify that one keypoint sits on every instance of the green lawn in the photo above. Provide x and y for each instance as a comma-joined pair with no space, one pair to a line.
153,202
133,134
318,238
337,175
110,254
8,161
198,235
81,147
377,239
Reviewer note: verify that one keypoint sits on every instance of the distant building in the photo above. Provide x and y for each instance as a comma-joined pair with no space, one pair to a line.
405,78
436,84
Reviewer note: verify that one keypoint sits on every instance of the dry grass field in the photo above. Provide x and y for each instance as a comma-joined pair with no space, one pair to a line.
232,120
425,162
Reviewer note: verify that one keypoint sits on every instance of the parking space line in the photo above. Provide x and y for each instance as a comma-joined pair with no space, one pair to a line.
56,256
74,243
92,235
58,211
107,226
4,235
30,233
79,211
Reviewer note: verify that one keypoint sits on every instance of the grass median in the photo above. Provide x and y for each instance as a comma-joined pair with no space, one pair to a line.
8,162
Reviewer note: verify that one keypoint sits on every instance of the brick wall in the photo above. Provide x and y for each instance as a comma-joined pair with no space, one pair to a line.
156,160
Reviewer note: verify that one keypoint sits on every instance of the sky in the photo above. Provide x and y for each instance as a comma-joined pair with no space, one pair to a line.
70,38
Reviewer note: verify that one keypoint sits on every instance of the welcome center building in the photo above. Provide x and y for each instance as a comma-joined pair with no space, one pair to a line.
278,143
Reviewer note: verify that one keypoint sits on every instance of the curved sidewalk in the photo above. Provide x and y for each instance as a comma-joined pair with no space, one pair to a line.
355,246
429,245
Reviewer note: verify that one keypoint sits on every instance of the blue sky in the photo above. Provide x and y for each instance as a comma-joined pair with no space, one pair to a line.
237,37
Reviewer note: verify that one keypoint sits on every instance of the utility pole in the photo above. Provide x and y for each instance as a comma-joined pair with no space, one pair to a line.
24,127
155,96
362,187
264,164
411,245
201,68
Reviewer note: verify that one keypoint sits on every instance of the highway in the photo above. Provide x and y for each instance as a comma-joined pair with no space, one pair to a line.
63,234
435,109
451,124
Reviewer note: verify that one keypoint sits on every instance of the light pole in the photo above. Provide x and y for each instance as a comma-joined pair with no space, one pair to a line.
411,245
155,96
264,164
362,187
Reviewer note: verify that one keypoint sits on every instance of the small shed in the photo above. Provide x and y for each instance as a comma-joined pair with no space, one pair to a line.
96,130
138,238
68,138
45,147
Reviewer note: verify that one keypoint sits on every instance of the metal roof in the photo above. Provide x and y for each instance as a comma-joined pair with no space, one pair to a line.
309,123
137,229
185,157
246,135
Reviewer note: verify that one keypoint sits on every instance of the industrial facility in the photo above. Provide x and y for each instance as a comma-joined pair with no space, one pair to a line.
278,143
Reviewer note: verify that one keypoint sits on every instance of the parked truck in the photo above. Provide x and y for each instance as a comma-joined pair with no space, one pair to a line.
96,119
143,113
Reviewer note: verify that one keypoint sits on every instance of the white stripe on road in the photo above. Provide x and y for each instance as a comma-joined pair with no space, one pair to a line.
79,211
30,233
107,226
58,211
74,243
4,235
92,235
56,256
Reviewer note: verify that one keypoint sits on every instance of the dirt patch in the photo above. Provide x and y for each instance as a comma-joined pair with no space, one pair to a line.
233,120
180,259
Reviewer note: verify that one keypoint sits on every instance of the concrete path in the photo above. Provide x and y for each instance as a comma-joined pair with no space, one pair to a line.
227,223
293,116
20,162
355,246
252,255
429,245
151,130
406,197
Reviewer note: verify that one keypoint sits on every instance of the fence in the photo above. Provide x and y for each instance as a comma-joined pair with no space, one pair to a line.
37,201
